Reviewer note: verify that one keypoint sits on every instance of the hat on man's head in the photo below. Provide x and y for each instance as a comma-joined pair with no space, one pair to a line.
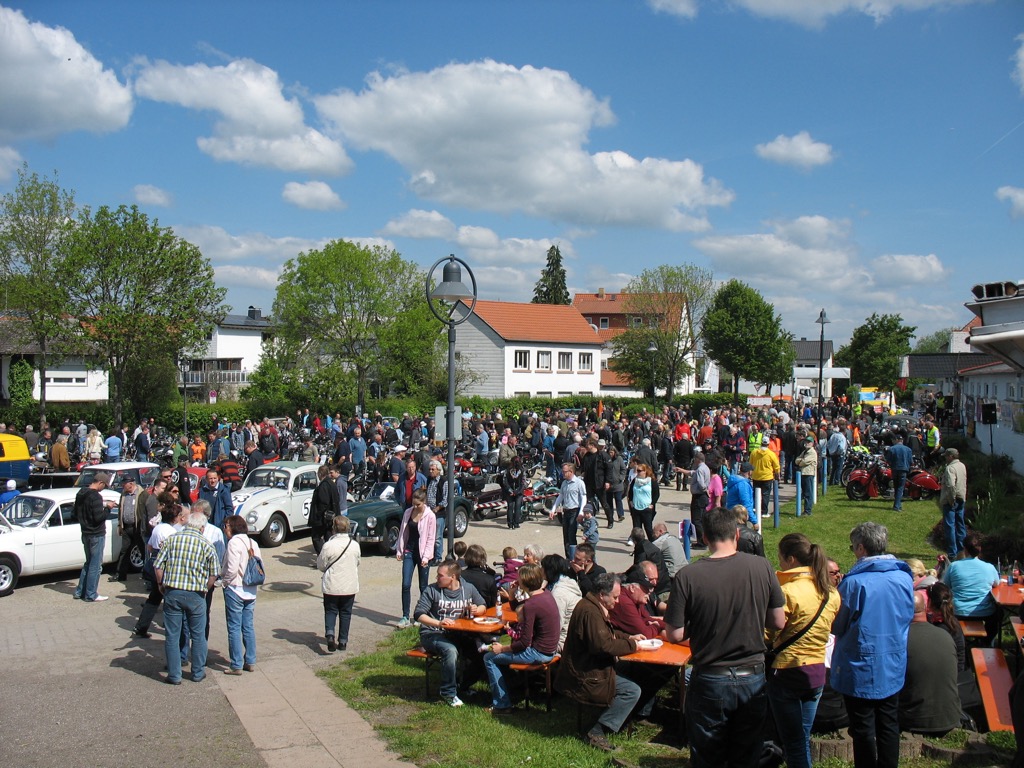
401,449
602,442
12,485
808,439
102,477
637,575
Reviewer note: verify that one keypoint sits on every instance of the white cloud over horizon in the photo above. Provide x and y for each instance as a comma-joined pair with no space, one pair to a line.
924,269
490,136
1015,197
800,151
147,194
312,195
10,161
50,84
1018,61
810,13
257,125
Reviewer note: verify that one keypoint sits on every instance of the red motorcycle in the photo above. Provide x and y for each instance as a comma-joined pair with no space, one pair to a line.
876,480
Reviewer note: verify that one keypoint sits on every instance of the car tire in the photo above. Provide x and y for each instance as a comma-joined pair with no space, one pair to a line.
387,547
275,532
9,572
137,557
461,521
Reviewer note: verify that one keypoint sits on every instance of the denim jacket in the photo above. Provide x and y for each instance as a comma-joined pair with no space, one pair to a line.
870,656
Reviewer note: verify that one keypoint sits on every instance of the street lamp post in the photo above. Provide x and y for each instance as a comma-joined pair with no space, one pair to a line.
451,291
183,366
653,350
822,320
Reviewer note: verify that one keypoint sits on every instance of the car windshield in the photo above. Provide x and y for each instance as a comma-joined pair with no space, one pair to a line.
26,511
382,491
266,478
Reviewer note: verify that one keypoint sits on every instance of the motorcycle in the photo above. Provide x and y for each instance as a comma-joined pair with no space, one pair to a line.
539,498
876,480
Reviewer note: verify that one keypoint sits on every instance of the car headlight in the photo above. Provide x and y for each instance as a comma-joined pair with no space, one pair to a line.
251,518
371,523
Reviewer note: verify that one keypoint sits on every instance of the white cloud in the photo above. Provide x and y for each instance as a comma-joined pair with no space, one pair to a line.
686,9
421,225
314,195
1015,197
147,194
1018,60
218,245
486,135
257,126
801,151
910,268
814,13
235,276
50,84
10,161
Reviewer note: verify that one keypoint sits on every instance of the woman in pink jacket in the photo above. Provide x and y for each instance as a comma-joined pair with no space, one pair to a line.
415,548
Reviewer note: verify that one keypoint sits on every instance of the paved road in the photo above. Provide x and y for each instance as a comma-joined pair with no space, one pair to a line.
77,689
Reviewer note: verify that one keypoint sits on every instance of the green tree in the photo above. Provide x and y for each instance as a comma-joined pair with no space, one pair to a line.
138,288
875,349
20,385
670,303
550,289
334,304
742,333
34,223
935,342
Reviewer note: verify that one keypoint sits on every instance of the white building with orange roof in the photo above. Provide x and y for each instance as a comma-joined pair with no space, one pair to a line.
535,350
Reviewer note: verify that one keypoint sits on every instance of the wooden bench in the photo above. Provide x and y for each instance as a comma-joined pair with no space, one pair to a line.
1018,630
529,669
972,628
994,682
429,660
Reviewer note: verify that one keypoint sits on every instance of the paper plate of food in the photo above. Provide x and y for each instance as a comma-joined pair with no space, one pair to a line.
486,620
650,645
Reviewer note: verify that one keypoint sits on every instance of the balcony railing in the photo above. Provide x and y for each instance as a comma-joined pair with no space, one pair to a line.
197,378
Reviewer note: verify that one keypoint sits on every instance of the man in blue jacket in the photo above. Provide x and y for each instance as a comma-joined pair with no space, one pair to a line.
409,480
219,496
869,662
899,458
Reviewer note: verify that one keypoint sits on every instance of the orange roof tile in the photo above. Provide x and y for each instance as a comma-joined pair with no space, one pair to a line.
975,323
607,334
592,304
553,323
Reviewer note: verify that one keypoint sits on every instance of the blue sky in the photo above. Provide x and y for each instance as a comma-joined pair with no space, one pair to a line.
857,155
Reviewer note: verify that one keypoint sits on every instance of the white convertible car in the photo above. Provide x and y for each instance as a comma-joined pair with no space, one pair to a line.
39,534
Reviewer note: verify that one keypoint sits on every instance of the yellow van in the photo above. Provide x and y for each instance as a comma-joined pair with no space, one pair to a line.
15,463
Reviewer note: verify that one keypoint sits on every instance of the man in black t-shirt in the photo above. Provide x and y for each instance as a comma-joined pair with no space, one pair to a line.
723,604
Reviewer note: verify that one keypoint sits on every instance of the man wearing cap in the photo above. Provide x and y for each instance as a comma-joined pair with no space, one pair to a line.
396,466
806,464
91,513
951,500
10,493
130,521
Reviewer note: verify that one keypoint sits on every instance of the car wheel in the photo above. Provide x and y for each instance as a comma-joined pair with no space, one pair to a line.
137,557
277,528
387,547
9,571
461,522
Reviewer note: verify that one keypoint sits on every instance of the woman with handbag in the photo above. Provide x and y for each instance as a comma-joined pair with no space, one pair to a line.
240,594
796,653
339,562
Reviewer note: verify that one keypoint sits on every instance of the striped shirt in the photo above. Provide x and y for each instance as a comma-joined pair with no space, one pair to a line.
573,494
188,561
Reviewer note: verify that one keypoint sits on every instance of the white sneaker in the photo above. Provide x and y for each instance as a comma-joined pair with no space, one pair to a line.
404,623
100,598
454,701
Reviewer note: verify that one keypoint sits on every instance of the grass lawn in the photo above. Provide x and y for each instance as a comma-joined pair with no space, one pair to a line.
387,688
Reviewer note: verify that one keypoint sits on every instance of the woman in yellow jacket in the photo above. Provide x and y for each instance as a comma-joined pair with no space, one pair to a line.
797,673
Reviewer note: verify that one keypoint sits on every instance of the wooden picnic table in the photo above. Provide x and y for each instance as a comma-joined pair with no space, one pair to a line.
1008,595
481,628
671,655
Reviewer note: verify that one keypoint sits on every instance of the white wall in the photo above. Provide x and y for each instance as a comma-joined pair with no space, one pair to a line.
236,342
1007,391
72,382
555,382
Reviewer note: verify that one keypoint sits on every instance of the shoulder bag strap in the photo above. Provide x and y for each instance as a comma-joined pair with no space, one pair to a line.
335,560
803,631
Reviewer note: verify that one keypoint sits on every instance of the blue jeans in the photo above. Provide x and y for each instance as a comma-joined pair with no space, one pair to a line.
613,499
89,579
794,715
899,481
496,663
956,528
836,463
410,563
807,485
725,717
443,646
181,606
439,541
788,463
338,607
241,629
627,694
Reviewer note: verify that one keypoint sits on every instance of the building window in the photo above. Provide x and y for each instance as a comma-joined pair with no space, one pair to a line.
604,323
586,394
521,394
604,364
586,361
1009,392
522,359
543,394
590,320
638,322
565,361
67,381
543,361
565,394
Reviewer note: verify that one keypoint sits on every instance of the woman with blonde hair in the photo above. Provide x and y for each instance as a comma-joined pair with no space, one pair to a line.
94,444
797,651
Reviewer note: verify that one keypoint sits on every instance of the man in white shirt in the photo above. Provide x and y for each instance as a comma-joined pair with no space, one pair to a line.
572,497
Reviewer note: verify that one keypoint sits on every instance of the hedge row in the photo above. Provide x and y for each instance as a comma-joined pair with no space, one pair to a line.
200,415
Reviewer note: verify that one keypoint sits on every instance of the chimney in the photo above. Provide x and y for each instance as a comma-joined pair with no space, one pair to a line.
600,293
255,313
